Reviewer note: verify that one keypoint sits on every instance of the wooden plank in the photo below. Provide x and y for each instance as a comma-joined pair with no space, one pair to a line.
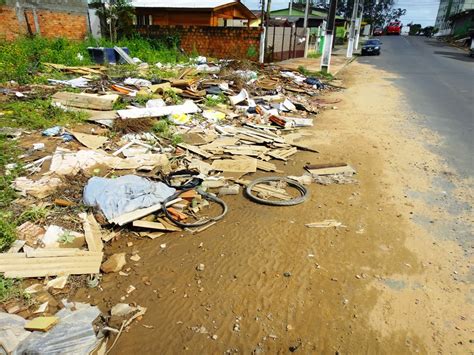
134,215
235,166
88,101
37,262
61,252
195,150
92,232
9,256
53,272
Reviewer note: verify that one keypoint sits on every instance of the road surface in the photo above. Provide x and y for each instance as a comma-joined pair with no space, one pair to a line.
438,81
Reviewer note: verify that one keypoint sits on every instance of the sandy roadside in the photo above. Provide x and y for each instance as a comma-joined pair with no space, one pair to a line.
383,284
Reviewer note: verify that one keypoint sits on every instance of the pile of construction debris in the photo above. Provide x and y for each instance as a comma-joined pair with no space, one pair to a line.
117,175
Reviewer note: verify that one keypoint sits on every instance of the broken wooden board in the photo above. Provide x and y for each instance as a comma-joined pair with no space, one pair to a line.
142,212
89,140
282,154
330,169
88,101
235,166
151,235
21,266
168,225
92,232
149,225
96,70
195,150
261,165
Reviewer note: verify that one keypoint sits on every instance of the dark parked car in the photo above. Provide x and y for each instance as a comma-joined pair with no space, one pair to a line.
378,31
372,46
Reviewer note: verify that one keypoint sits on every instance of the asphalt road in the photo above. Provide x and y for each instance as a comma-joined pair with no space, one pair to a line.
438,81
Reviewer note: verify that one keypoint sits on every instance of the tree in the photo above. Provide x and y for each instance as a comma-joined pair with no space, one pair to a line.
376,13
116,17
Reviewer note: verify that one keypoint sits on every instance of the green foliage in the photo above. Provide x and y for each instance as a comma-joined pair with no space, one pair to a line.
33,214
37,114
21,59
252,52
7,230
11,289
176,139
172,97
116,18
315,74
8,155
214,100
66,238
162,127
376,12
314,55
165,130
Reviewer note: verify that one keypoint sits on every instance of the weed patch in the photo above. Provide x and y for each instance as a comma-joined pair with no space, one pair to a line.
11,289
315,74
37,114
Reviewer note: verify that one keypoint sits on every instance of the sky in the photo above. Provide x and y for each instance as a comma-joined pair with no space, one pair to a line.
419,11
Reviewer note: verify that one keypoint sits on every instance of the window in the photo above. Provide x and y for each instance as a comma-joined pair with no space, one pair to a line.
144,20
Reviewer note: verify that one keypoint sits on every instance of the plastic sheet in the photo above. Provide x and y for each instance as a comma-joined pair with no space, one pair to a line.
125,194
74,334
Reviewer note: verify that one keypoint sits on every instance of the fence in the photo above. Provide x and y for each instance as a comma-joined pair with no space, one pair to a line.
285,43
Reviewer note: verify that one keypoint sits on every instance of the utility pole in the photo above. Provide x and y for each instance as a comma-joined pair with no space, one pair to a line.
306,30
328,37
306,15
290,8
350,45
267,22
359,24
261,57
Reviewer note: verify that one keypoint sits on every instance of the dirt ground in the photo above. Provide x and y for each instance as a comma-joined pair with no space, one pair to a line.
385,283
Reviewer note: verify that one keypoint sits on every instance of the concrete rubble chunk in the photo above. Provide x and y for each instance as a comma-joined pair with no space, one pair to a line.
114,263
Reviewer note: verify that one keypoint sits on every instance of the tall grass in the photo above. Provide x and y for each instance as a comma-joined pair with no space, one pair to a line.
20,60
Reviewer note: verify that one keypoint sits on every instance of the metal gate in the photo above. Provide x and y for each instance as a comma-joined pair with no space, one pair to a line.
285,42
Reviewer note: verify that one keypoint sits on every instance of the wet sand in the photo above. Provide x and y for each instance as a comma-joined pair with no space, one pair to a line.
382,284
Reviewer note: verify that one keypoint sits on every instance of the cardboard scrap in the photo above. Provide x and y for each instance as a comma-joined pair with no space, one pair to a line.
89,140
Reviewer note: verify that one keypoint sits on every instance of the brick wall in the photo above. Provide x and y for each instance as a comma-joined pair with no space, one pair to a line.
48,23
217,42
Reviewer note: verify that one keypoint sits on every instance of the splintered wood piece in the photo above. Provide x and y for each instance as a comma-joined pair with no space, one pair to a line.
88,101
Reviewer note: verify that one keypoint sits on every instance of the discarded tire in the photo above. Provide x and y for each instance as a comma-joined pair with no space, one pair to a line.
304,193
207,196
